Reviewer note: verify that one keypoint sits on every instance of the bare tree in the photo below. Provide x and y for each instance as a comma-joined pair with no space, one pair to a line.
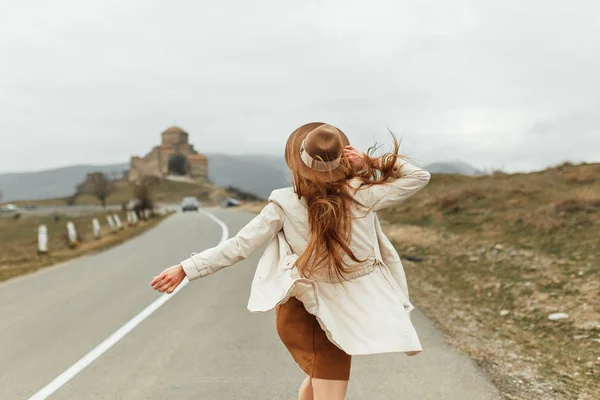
143,194
97,184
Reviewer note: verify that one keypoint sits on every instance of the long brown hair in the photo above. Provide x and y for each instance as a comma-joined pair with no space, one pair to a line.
329,209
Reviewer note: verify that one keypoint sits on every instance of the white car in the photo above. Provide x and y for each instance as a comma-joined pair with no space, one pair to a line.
8,208
190,204
230,203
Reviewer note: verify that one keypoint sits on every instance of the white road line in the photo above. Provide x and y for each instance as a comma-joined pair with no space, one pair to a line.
120,333
224,229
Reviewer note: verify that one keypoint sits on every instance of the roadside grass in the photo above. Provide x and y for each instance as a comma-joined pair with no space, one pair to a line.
500,253
19,245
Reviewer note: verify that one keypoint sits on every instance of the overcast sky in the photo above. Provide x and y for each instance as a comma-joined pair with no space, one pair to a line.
510,84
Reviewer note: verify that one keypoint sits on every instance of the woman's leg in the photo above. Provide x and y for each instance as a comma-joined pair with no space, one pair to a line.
306,390
325,389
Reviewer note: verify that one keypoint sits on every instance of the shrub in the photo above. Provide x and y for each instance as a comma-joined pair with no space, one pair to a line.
563,165
456,200
579,176
142,191
586,200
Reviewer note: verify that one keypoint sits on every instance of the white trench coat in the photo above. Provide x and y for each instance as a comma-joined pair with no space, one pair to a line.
367,314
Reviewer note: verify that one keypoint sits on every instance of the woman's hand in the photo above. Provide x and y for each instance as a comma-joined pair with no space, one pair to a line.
169,279
355,157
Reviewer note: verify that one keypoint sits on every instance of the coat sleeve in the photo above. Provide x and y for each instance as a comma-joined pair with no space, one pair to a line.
241,246
409,180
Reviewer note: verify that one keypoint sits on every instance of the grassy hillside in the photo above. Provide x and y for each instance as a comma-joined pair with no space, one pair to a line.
499,255
555,210
165,192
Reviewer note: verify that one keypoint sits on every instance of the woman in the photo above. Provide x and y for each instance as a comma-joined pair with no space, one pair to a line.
343,293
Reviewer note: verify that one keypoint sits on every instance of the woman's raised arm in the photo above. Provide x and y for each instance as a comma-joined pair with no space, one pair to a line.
409,180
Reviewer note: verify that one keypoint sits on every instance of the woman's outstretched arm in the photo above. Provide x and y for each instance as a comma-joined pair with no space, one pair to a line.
237,248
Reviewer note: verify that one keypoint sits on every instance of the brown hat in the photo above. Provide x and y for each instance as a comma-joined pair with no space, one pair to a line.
315,149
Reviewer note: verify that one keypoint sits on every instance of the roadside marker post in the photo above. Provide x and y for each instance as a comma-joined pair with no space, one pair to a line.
111,223
72,234
42,239
118,222
96,228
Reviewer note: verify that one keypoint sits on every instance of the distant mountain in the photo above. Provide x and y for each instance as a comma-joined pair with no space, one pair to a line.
452,167
256,174
52,183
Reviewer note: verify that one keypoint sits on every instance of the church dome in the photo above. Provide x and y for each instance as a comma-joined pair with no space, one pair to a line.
174,135
175,130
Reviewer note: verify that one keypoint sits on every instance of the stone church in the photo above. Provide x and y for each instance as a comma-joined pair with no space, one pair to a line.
156,163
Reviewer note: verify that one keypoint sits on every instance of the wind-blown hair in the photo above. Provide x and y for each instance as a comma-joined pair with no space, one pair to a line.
329,209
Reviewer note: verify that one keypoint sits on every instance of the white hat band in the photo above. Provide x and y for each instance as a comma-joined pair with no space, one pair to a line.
317,164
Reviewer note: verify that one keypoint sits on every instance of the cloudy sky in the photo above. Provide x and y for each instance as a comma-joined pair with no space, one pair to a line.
510,84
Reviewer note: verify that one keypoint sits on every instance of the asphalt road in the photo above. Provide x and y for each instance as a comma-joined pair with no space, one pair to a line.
201,344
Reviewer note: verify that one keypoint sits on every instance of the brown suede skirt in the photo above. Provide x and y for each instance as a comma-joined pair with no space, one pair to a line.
306,341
